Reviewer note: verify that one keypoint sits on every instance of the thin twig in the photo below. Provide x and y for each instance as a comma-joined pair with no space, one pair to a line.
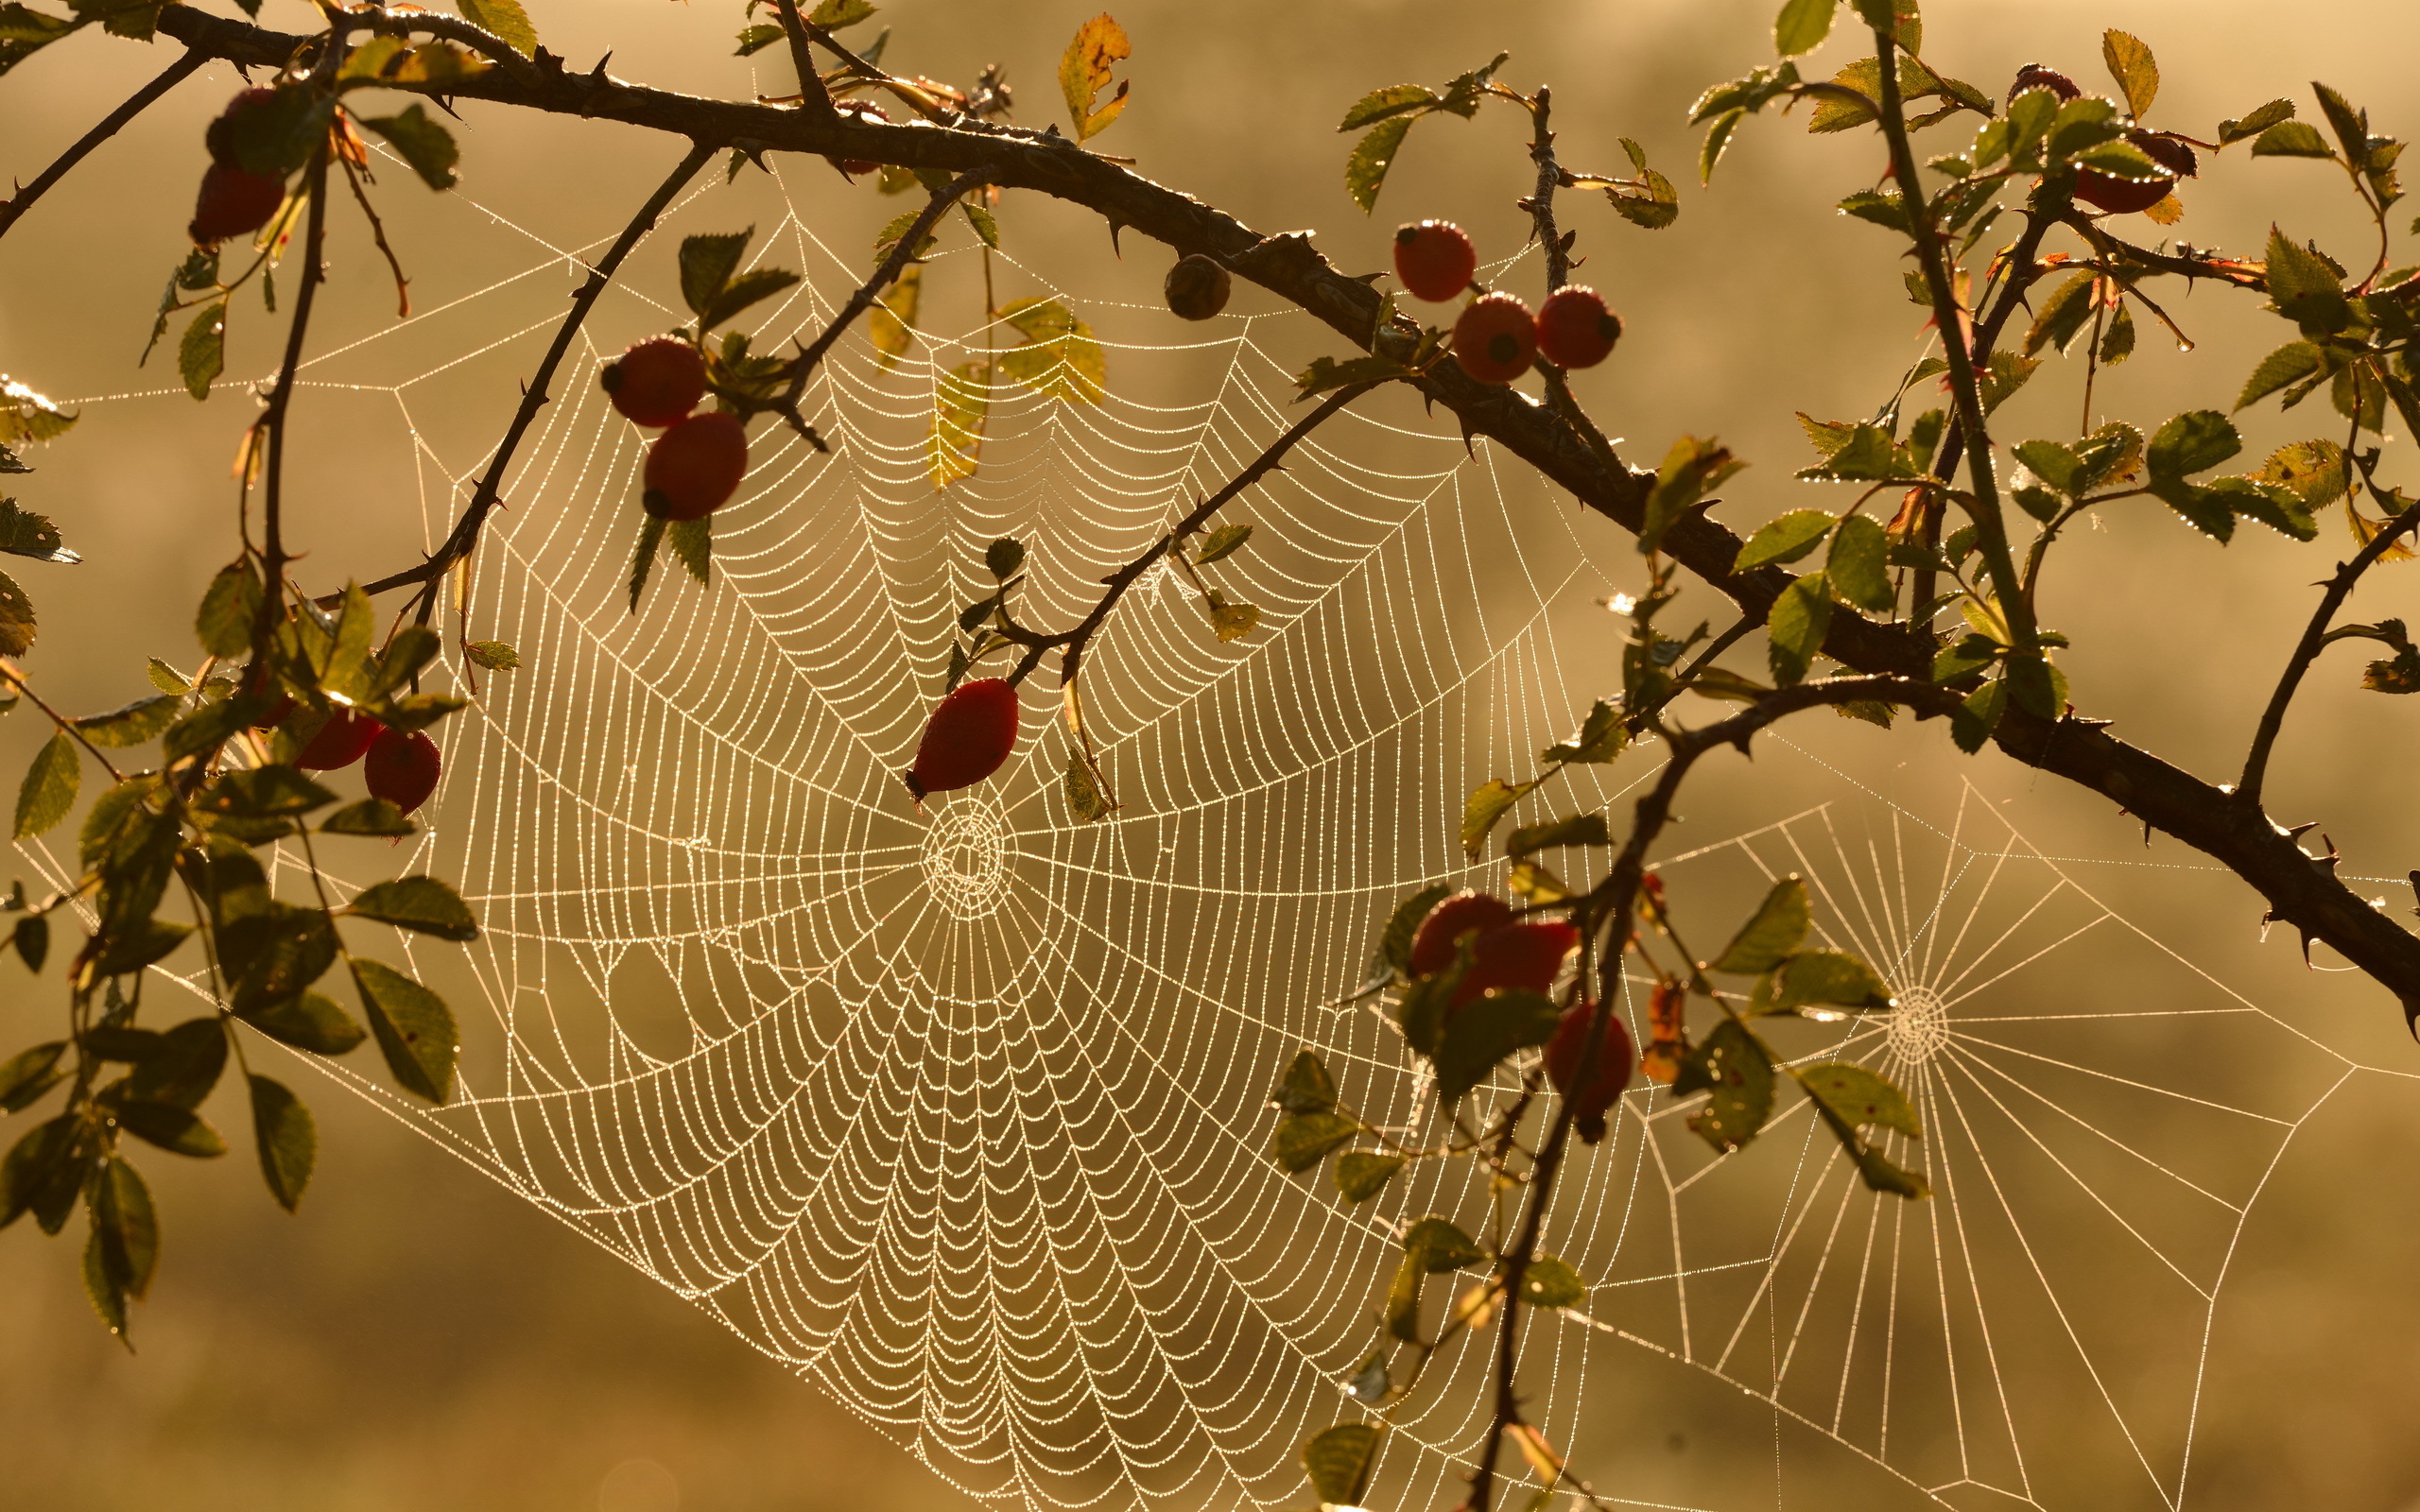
888,274
2273,719
272,424
813,97
169,78
378,234
17,680
465,533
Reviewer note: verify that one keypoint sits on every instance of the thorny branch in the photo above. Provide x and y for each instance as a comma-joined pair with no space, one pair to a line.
169,78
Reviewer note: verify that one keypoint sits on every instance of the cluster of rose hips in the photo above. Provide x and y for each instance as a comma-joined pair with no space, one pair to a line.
400,766
1497,336
233,201
1526,956
969,737
694,467
2119,196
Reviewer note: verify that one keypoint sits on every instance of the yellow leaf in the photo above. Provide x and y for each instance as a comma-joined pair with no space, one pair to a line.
1083,72
961,402
891,322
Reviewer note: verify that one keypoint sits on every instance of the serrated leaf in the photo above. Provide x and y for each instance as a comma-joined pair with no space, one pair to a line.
132,723
125,1229
754,40
1853,567
1306,1088
1801,27
1304,1140
50,786
1060,358
836,15
1733,1068
414,1028
1339,1460
2194,442
27,415
1770,934
1820,976
747,288
423,905
1488,803
707,264
229,609
1099,44
1394,942
2131,66
1327,372
1224,541
891,322
494,656
1785,539
2066,312
1979,715
1360,1176
2254,122
2290,139
1691,469
986,228
1383,104
427,148
1601,737
1085,799
1858,1098
285,1138
1800,618
27,1074
1230,621
961,404
201,354
1546,1281
1651,203
506,21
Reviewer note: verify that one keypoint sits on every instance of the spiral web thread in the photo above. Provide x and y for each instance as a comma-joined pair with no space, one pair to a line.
962,1115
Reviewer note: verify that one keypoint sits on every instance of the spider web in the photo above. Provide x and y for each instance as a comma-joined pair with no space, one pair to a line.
961,1114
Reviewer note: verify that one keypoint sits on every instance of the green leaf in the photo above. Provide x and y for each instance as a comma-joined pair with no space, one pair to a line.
1733,1068
1365,171
1820,976
707,264
50,785
2131,66
494,656
1651,203
1801,27
229,606
201,355
1485,1031
2255,122
1383,104
1230,622
31,939
126,1228
1394,943
307,1022
129,725
754,40
24,533
1886,210
1718,137
1770,935
173,1128
2194,442
2066,312
1858,1098
2290,139
1546,1281
265,792
28,416
1438,1247
1868,455
421,903
891,322
1785,539
747,288
1304,1140
987,229
1360,1176
1085,799
1800,618
1004,557
1307,1087
1059,359
693,545
1979,715
425,146
2313,471
414,1027
1338,1462
1601,737
1423,1007
1327,372
1693,467
287,1138
1490,801
506,21
27,1074
1580,829
1224,541
836,15
184,1064
16,618
1853,567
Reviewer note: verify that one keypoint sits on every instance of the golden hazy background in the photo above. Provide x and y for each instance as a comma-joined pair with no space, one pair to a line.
418,1337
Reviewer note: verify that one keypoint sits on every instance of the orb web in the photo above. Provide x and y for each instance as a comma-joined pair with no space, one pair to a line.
961,1113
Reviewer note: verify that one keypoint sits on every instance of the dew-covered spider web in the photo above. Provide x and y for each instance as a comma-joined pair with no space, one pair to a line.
962,1115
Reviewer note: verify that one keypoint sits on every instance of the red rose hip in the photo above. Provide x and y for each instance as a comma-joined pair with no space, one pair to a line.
694,467
340,741
1525,957
232,203
1197,288
2124,196
1575,330
970,732
1434,259
402,768
219,136
1433,944
1607,1079
1496,338
656,383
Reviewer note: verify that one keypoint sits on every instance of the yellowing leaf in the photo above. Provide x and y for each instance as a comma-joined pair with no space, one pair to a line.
1083,71
1059,359
961,402
891,323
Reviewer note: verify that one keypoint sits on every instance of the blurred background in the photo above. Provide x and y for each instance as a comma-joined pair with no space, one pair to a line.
419,1337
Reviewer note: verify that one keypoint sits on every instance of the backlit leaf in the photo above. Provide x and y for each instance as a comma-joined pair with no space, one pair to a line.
2131,66
285,1138
1059,359
1304,1140
961,404
1733,1068
424,904
707,264
1338,1461
50,785
1853,567
1480,1034
201,355
506,20
1394,943
1801,27
891,321
1772,933
1099,44
426,147
1860,1098
1800,617
1487,803
1360,1176
1546,1281
414,1028
1785,539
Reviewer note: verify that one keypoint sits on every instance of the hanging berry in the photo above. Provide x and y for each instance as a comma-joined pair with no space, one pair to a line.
2124,197
1198,288
1496,338
1575,330
340,741
1607,1079
1440,931
694,467
1525,957
656,382
1434,259
971,733
232,203
402,768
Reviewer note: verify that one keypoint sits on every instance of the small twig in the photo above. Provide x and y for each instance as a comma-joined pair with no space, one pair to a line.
465,535
2273,719
1542,198
813,97
888,274
140,100
378,234
17,680
272,424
